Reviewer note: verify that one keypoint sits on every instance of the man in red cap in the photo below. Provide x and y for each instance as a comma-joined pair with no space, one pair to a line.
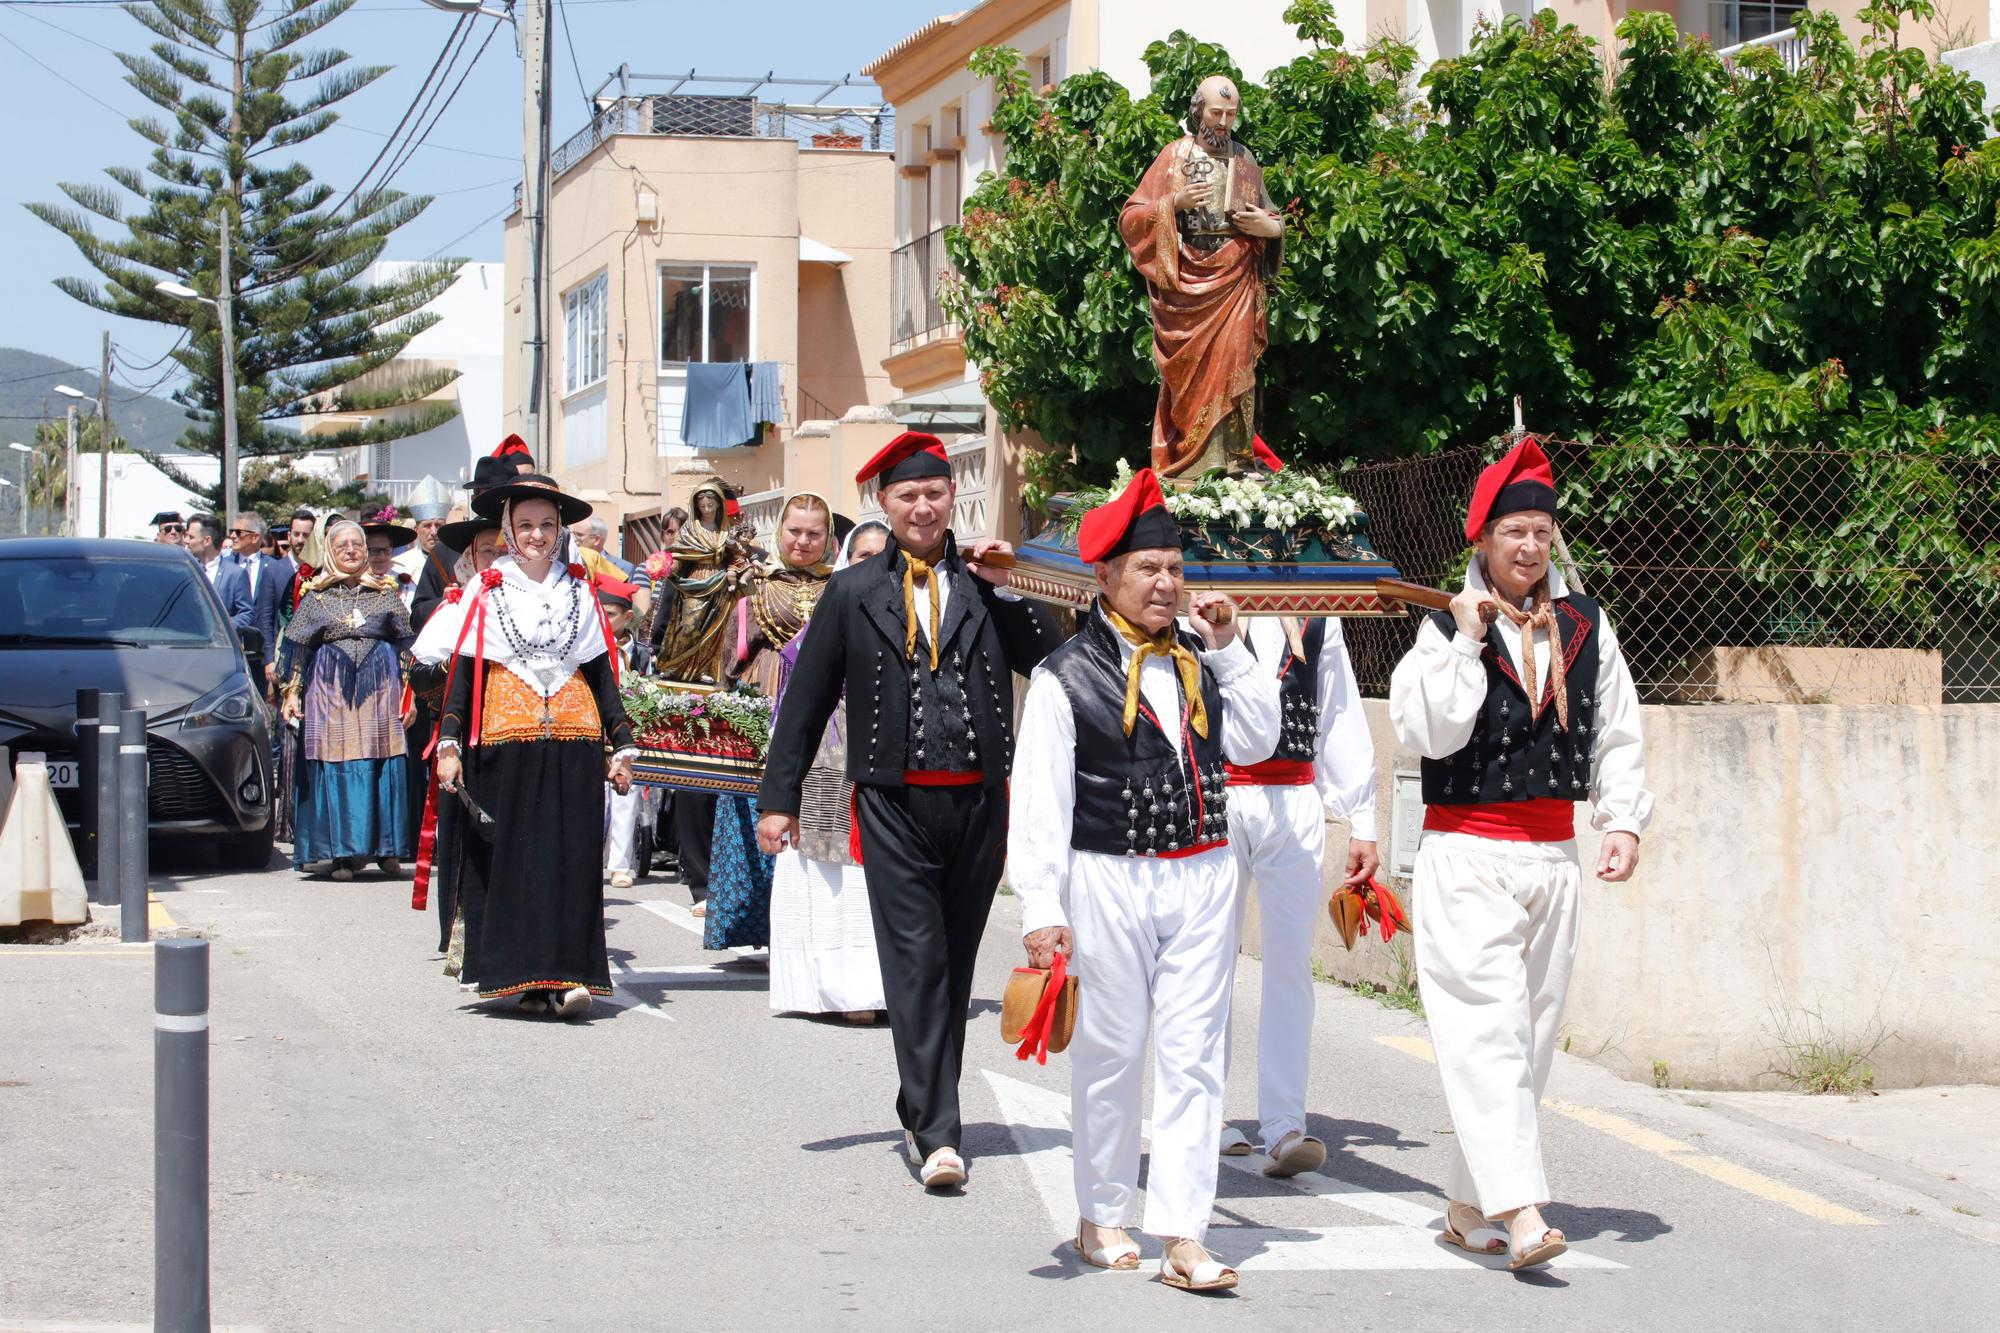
924,642
1120,855
1516,722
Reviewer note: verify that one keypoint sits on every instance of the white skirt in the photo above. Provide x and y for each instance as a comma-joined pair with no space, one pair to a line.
822,938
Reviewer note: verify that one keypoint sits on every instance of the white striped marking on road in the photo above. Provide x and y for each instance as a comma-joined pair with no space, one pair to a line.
675,914
1635,1135
1039,1122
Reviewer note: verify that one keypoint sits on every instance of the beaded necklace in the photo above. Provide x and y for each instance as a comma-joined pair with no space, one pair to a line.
526,646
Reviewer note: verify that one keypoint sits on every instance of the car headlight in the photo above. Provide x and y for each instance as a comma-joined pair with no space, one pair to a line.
228,705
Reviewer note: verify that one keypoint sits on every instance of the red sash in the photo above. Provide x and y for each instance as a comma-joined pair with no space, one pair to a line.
1271,773
1543,819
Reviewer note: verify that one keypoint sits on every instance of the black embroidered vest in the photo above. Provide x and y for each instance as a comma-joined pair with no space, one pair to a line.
1298,696
941,736
1515,753
1160,791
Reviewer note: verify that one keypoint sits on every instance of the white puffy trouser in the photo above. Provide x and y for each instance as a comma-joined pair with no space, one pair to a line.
1279,836
1496,929
1155,940
622,816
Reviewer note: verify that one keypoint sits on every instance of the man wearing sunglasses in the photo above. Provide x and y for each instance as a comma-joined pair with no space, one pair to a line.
269,578
169,528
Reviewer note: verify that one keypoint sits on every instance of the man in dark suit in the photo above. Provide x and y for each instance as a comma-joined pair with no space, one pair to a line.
268,577
436,577
925,643
218,565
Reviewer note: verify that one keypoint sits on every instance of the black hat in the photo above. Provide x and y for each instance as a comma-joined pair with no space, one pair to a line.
533,486
490,472
166,516
458,536
398,534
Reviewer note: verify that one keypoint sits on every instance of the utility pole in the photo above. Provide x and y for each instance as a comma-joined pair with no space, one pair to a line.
225,312
69,477
104,438
535,186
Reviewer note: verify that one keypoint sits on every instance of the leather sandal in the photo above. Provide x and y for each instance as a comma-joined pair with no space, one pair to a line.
1207,1275
1296,1153
1121,1253
1539,1251
1456,1213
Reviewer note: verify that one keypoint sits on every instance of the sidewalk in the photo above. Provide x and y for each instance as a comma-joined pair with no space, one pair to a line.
1936,1140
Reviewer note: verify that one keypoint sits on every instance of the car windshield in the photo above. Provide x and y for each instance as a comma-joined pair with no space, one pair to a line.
106,600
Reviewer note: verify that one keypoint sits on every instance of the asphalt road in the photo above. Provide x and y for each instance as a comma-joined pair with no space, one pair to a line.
390,1156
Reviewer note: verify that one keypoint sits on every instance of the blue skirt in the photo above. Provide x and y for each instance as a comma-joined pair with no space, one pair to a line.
357,808
739,879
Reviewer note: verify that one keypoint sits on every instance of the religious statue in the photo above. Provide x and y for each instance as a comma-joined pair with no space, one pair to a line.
1202,230
709,562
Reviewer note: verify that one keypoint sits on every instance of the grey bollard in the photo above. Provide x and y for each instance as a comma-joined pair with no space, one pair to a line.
135,861
180,1136
86,788
110,704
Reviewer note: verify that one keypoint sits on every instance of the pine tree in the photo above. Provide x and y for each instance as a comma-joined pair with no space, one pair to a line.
310,336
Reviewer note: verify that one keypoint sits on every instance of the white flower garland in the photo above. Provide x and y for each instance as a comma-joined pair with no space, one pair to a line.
1278,501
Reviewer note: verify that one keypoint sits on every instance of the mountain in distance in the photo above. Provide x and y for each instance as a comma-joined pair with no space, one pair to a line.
28,394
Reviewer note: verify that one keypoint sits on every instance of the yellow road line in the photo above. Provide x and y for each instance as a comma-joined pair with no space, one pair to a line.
1636,1135
156,914
60,951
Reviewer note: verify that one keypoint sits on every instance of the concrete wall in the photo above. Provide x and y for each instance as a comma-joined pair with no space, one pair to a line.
1829,869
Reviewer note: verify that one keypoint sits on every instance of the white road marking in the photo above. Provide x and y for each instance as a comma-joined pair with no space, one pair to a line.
1039,1122
675,914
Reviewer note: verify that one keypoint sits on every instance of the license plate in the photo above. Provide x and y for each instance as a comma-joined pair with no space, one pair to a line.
62,773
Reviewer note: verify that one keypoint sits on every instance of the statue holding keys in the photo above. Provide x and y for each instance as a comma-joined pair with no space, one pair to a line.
1202,230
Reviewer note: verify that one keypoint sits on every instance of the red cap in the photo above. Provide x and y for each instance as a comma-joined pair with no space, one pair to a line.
513,444
909,456
615,590
1135,519
1523,480
731,508
1264,454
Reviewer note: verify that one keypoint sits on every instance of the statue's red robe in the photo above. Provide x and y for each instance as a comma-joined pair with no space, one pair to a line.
1208,309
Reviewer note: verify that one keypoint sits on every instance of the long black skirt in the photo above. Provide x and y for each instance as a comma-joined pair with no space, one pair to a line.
533,895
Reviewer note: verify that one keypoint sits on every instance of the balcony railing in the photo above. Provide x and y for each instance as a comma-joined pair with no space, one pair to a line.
969,514
1789,43
915,272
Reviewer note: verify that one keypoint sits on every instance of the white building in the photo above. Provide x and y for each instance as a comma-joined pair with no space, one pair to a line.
467,338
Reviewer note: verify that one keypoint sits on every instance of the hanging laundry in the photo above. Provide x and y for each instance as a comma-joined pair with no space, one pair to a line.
767,392
716,413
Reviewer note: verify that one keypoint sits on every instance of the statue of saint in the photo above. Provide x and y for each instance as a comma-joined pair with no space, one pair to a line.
1202,229
710,561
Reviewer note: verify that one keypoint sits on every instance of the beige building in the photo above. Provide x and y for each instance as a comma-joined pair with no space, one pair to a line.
696,224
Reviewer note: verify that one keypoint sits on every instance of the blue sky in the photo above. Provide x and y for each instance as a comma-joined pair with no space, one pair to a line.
66,118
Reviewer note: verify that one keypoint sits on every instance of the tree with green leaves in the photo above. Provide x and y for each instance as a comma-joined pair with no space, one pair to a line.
311,335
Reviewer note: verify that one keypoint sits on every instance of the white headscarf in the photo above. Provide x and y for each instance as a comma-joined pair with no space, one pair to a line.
847,547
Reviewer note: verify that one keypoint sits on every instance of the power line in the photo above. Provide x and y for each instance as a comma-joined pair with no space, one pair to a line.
562,11
483,222
64,77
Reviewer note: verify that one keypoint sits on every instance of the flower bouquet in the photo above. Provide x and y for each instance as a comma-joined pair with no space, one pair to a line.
1289,515
703,740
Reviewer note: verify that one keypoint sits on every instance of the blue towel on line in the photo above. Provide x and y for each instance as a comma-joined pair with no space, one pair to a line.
716,412
767,392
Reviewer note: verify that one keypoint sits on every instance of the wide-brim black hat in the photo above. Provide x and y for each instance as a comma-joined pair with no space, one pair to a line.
533,486
398,534
458,536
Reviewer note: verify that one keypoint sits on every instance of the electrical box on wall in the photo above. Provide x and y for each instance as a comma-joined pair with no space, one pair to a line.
649,207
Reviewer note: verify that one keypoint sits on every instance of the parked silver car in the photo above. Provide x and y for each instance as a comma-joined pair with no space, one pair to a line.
139,618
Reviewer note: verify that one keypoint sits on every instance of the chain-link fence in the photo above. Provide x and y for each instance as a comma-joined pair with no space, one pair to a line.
1739,574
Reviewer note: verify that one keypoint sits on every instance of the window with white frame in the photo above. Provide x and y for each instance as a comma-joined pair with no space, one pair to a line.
705,313
584,334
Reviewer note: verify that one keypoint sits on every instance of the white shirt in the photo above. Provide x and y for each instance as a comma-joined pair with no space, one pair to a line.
209,567
1439,687
1344,759
1043,813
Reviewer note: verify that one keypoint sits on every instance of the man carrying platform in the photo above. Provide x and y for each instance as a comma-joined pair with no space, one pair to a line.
923,641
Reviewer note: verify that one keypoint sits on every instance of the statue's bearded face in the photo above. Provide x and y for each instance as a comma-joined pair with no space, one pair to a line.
1216,104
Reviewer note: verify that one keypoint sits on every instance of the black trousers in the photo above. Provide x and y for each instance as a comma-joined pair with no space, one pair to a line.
694,830
933,858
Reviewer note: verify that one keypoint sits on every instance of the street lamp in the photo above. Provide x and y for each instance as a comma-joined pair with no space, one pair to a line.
225,318
532,27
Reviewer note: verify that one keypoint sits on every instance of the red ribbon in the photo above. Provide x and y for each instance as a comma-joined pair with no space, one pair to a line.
420,883
1035,1036
1384,908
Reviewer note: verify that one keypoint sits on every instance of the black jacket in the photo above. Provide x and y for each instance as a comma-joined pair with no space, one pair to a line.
432,584
855,644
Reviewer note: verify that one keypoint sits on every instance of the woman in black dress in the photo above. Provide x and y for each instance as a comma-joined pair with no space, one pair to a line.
532,726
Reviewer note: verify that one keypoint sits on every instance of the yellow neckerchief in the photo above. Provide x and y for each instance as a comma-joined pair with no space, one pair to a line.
916,571
1164,644
333,577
